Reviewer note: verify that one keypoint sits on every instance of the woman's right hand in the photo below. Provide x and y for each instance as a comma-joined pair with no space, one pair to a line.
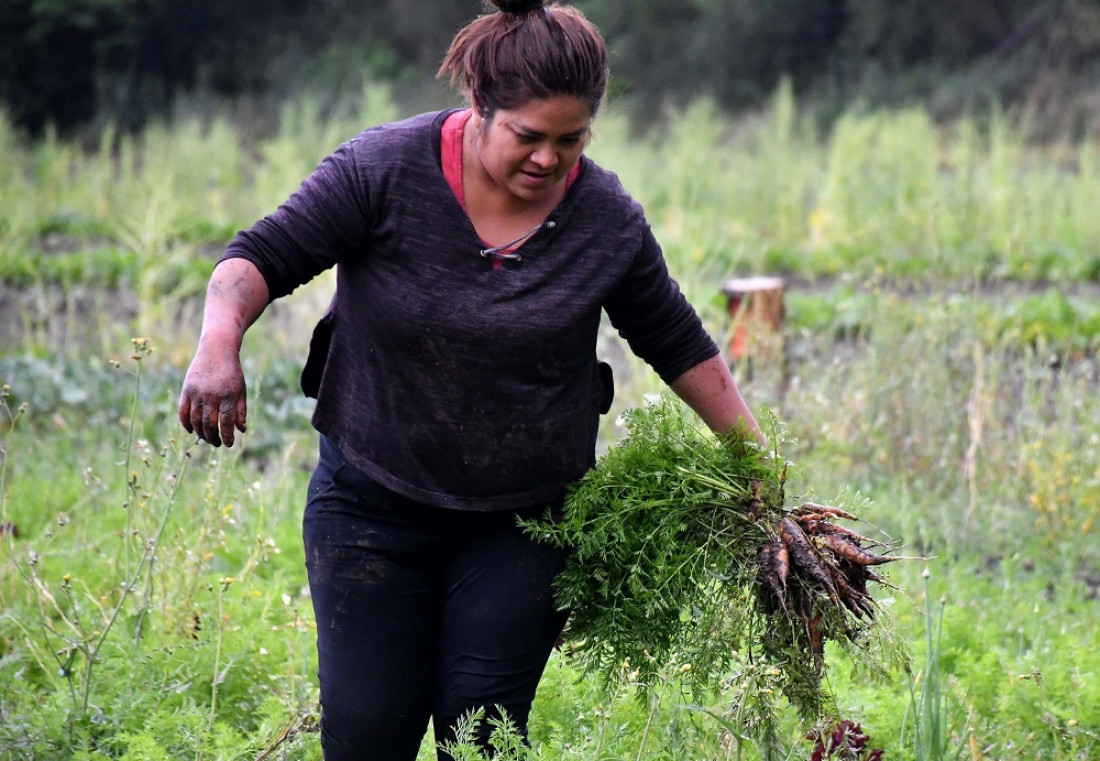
213,401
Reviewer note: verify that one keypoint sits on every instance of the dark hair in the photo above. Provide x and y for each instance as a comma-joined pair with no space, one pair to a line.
528,50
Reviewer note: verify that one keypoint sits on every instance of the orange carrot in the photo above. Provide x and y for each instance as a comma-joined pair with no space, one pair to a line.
834,512
854,600
804,557
848,550
824,527
774,566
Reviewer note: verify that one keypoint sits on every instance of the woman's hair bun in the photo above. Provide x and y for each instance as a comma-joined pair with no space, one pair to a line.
518,7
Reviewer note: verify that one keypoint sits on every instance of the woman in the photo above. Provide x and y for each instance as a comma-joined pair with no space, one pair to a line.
458,384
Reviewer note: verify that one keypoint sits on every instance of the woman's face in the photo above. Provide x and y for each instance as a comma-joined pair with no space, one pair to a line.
528,150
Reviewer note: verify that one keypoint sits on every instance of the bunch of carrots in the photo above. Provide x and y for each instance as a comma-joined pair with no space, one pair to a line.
683,551
813,557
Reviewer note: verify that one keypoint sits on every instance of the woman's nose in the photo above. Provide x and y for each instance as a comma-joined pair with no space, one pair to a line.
544,156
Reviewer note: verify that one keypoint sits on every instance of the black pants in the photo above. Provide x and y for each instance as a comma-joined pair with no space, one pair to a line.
422,612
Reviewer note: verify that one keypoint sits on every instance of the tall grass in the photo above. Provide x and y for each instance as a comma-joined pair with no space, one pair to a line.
879,192
882,193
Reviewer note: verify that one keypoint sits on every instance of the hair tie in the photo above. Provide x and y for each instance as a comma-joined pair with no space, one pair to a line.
520,7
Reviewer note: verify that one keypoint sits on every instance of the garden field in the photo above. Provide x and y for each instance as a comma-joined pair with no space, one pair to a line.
939,372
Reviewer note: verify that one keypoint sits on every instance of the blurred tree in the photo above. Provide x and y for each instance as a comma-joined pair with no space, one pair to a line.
61,61
65,61
735,50
899,33
1038,57
48,51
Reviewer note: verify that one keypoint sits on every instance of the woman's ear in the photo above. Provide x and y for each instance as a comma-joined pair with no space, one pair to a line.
476,122
479,110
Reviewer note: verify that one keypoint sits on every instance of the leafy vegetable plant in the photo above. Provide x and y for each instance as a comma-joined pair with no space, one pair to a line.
682,547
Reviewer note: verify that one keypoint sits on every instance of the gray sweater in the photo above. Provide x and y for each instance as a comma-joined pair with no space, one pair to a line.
446,380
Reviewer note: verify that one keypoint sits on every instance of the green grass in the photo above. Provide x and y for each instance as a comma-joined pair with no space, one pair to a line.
941,345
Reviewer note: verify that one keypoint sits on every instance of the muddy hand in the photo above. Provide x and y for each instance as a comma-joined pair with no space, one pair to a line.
212,403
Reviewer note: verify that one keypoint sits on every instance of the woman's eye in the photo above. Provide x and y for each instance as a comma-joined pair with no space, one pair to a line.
527,139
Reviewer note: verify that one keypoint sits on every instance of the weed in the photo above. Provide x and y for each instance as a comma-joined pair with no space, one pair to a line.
75,620
928,708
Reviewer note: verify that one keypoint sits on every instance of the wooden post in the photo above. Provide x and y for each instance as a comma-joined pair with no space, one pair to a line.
756,315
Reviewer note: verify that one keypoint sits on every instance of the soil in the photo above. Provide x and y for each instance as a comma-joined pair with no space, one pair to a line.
53,317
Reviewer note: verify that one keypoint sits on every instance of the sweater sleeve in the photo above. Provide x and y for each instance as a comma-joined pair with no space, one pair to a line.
325,221
653,316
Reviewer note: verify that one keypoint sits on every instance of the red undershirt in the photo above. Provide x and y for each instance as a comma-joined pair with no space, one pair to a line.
451,156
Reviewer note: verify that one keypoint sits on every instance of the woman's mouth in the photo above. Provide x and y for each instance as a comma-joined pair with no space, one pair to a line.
536,178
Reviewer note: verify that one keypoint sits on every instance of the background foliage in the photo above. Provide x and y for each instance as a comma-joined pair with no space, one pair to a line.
70,62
